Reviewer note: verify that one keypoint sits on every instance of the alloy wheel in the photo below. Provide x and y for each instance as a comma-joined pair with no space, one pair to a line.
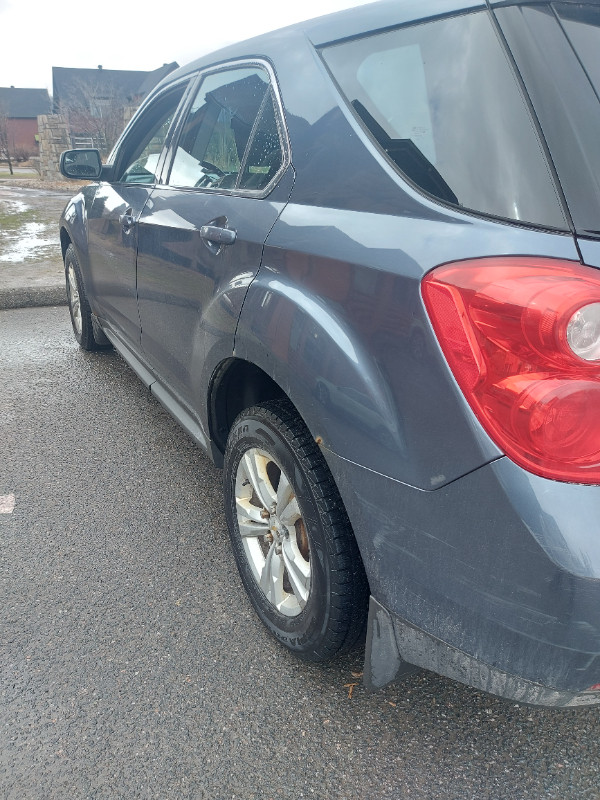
273,532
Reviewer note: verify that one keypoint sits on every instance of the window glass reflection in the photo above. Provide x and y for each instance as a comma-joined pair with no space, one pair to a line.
441,100
230,138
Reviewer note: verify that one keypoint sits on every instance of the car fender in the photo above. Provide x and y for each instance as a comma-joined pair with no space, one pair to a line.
305,347
74,225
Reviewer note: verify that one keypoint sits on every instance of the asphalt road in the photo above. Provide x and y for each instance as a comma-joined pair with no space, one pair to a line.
131,663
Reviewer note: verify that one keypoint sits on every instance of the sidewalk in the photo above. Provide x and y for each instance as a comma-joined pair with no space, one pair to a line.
25,285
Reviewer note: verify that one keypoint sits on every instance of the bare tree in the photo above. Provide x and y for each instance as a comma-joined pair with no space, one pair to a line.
95,111
5,143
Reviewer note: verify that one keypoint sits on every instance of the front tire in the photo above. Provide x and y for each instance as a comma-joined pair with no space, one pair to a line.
79,307
291,537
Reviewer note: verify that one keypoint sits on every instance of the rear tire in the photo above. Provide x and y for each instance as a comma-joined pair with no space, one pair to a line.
291,537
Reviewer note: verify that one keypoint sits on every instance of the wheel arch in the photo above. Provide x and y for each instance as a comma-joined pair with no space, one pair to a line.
65,240
236,384
73,225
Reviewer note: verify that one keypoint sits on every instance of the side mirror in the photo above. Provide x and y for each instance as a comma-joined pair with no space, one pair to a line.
81,164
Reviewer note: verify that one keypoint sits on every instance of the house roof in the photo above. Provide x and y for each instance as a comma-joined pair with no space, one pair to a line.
155,76
24,103
132,85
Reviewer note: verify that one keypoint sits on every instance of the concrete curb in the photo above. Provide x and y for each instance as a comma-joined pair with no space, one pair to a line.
21,297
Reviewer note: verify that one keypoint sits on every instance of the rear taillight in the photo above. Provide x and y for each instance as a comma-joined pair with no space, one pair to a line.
522,338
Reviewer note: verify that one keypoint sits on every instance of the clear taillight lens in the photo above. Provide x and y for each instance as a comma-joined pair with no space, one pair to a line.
583,332
522,337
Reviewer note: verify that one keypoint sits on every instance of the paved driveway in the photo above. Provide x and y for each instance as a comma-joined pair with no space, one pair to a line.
131,663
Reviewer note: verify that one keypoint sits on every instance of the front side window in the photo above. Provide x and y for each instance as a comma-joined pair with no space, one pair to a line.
230,139
441,100
140,153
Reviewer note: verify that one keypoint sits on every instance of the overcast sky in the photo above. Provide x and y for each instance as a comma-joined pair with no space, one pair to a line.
38,35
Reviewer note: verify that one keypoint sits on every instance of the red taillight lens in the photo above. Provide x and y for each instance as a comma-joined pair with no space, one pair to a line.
522,337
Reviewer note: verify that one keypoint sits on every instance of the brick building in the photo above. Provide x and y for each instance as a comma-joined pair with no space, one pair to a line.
22,107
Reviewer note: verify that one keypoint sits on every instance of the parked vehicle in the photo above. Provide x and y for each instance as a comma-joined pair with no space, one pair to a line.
357,259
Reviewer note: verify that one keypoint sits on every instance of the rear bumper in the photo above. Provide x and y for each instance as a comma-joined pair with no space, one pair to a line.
394,649
493,580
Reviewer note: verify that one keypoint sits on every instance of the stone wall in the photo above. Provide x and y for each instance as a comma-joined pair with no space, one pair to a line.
54,138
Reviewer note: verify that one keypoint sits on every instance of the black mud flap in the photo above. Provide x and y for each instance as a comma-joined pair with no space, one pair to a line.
383,662
99,335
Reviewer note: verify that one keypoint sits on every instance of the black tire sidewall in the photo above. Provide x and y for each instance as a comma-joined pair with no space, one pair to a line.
304,634
85,338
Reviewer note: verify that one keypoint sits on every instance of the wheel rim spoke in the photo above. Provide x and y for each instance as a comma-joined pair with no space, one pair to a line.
271,578
255,467
290,514
248,512
285,498
298,571
250,529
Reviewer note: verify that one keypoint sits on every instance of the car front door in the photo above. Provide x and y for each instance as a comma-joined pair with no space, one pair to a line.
114,213
201,234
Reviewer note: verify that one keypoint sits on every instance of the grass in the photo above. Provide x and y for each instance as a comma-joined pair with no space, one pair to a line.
5,173
29,228
12,221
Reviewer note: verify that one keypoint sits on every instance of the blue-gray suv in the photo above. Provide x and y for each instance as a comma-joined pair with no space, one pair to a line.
358,260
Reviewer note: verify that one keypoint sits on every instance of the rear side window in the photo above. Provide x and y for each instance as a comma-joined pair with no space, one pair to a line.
557,50
582,25
442,102
230,139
